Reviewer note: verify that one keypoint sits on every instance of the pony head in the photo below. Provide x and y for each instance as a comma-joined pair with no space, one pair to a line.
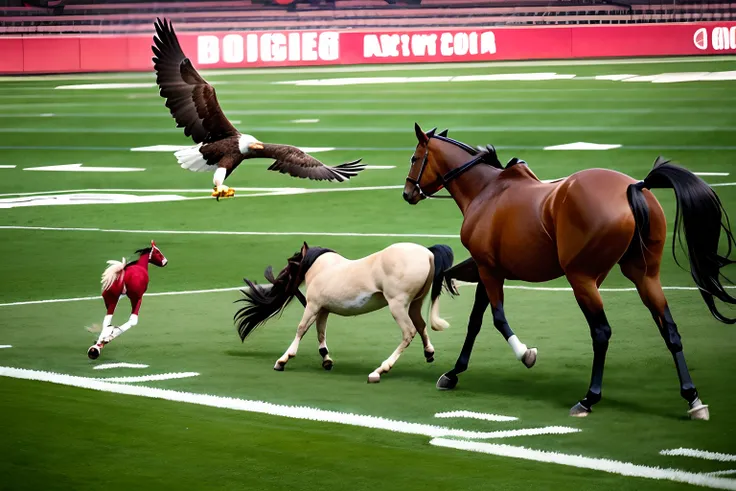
155,256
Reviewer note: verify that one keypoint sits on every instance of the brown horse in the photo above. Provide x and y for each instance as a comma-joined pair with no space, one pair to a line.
517,227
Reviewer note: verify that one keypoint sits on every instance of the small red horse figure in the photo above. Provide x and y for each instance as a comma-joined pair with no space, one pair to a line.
124,278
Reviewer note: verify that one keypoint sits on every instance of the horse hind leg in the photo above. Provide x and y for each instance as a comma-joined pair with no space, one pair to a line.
135,303
646,279
111,299
399,308
590,302
309,317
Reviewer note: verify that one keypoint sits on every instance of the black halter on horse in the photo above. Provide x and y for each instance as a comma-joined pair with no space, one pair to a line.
486,155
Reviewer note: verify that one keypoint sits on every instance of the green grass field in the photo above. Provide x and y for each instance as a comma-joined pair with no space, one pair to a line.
59,437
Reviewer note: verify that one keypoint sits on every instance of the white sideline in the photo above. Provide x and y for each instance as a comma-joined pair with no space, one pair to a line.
699,454
2,346
234,288
151,378
296,412
106,366
474,415
604,465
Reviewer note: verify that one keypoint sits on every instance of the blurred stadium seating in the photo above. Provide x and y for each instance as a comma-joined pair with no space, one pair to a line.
131,16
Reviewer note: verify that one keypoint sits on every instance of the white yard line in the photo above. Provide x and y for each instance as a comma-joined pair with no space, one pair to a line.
699,454
303,413
721,473
236,288
723,184
712,173
3,346
151,378
603,465
106,366
7,167
474,415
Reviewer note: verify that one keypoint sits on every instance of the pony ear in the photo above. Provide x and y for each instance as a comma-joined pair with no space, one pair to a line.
421,137
153,243
443,132
304,249
430,133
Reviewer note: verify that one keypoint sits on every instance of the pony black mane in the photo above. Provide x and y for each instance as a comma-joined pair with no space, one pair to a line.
262,302
138,253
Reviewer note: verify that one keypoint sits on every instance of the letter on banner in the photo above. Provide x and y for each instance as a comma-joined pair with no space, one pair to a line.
232,48
309,46
371,46
488,42
208,50
446,44
329,46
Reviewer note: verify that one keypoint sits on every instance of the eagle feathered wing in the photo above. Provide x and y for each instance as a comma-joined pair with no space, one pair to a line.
293,161
191,100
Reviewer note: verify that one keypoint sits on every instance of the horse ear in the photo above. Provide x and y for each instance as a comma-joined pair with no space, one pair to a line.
421,137
430,133
304,249
153,243
443,132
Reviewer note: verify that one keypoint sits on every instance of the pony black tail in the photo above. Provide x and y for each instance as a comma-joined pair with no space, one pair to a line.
701,217
443,258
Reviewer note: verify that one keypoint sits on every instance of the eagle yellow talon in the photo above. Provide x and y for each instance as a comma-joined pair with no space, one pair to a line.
222,192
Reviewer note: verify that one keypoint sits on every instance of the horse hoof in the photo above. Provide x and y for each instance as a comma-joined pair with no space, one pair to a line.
530,357
374,378
93,352
327,365
579,411
699,411
447,382
279,367
429,356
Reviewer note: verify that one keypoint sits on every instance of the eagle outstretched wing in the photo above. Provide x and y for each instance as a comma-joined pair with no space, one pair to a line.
191,100
291,160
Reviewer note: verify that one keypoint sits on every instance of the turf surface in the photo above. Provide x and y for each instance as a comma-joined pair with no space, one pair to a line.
62,438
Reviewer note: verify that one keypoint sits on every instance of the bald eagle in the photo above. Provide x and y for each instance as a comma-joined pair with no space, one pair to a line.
220,146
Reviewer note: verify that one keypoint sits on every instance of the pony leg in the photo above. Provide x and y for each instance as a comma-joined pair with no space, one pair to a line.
650,291
590,302
400,310
309,317
135,303
322,338
111,302
415,314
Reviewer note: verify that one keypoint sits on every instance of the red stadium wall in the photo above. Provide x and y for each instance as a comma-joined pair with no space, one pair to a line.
78,53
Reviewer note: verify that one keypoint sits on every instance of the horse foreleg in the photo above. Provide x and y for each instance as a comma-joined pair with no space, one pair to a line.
111,302
322,338
449,379
590,302
135,303
310,315
400,310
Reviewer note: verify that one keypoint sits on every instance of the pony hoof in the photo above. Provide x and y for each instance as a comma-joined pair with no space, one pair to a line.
429,356
529,358
327,365
93,352
374,378
579,411
699,411
447,382
279,367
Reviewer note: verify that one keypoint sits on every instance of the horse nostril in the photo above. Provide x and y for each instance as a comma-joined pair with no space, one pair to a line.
405,195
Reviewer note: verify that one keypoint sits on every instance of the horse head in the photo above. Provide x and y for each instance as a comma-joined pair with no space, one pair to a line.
156,257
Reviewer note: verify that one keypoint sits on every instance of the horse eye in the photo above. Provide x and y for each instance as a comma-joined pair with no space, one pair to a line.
413,159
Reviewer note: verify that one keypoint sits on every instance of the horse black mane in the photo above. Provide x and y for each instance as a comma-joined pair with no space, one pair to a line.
490,156
139,253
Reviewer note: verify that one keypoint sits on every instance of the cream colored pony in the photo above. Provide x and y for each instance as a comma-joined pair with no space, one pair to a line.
399,276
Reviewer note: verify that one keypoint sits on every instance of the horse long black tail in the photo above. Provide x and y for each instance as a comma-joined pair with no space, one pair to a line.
701,217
